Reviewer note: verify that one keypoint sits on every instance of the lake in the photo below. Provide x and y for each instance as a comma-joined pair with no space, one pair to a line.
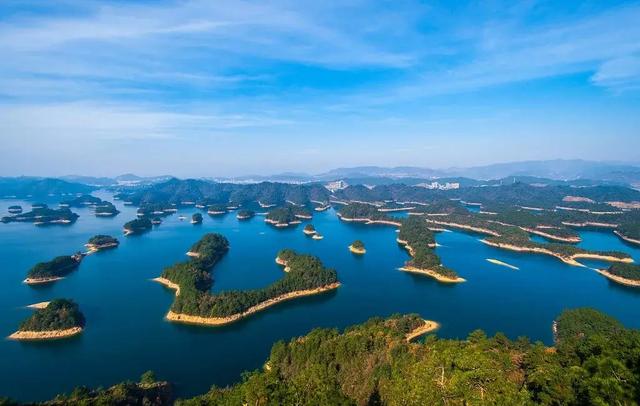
126,335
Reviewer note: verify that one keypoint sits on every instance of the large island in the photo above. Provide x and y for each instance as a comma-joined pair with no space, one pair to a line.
44,216
192,280
61,318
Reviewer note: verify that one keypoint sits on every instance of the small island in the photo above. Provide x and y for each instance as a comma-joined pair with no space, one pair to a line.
217,209
101,242
156,221
287,216
54,270
137,226
624,274
15,209
245,214
61,318
357,247
309,229
196,218
106,209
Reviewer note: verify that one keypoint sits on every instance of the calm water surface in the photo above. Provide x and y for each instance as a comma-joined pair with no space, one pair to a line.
126,334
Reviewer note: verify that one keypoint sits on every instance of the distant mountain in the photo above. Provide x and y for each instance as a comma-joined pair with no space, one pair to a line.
381,172
29,187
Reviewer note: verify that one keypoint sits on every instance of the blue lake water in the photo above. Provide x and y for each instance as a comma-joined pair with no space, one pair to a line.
126,334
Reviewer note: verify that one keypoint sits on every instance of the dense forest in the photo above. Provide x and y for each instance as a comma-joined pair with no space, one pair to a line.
106,209
44,215
60,314
595,363
194,278
81,201
57,267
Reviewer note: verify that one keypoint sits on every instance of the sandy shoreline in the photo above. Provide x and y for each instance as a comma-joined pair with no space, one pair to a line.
45,335
369,221
465,227
431,273
193,254
219,321
625,238
95,248
282,262
39,281
357,251
619,279
168,284
551,236
498,262
571,260
39,305
427,327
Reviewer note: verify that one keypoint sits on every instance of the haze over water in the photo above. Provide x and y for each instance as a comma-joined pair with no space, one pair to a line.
126,334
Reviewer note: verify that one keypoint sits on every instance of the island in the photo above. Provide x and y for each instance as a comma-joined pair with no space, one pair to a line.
106,209
101,242
44,216
624,274
309,229
196,218
245,214
54,270
357,247
192,280
156,221
61,318
137,226
365,213
286,216
82,201
217,209
15,209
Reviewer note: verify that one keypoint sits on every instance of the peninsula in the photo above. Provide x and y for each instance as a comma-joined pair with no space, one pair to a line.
61,318
54,270
192,280
624,274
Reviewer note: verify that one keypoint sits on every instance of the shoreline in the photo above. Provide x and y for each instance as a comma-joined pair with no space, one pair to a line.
464,227
619,279
625,238
498,262
427,327
551,236
369,221
571,260
40,281
431,273
167,284
357,251
45,335
193,254
95,248
39,305
283,263
219,321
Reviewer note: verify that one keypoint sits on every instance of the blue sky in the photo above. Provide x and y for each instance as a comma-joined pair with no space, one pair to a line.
218,88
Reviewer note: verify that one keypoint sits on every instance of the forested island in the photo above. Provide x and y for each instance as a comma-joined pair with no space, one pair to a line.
192,280
196,218
217,209
366,213
51,271
43,216
137,226
106,209
15,209
101,242
287,216
245,214
309,229
82,201
594,362
357,247
31,187
61,318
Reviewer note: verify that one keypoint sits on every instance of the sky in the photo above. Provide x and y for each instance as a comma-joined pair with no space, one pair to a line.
223,88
